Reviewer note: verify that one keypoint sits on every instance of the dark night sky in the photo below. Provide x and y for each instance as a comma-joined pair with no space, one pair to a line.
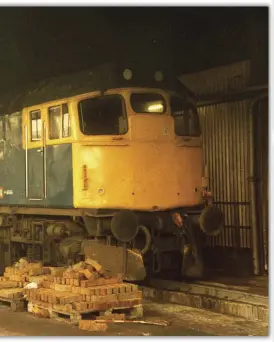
42,42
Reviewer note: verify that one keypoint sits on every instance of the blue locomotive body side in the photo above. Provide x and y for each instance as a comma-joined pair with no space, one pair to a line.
56,176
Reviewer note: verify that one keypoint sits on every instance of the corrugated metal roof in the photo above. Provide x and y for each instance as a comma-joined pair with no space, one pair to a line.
223,79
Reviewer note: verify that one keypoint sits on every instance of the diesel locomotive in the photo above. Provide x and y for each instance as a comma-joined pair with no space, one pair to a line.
105,159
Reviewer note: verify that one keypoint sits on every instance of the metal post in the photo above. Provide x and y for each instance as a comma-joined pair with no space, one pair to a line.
124,259
252,183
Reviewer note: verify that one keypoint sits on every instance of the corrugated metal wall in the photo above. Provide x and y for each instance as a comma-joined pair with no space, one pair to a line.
225,128
226,152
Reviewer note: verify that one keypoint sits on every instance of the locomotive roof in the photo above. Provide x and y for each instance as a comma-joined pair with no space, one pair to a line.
100,78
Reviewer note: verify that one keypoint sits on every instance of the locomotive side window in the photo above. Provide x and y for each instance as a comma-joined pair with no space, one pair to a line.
186,119
66,130
148,103
59,116
54,122
103,115
35,117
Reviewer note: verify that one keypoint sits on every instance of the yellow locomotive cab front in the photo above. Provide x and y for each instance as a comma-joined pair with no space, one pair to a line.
145,167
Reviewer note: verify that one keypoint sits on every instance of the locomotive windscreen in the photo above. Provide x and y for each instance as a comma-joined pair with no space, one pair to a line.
148,103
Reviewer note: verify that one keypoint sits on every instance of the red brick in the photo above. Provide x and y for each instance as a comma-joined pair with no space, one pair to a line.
93,278
84,283
97,291
95,265
90,268
134,288
90,305
113,317
57,271
74,290
49,277
54,299
115,290
84,306
79,266
62,288
89,275
109,290
77,306
103,291
122,289
46,284
128,288
84,324
7,284
46,270
43,313
76,282
100,327
130,295
101,306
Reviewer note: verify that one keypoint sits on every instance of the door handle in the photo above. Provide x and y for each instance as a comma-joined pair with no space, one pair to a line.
40,151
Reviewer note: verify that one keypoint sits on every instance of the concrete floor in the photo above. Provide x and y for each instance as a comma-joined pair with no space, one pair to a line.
183,321
253,284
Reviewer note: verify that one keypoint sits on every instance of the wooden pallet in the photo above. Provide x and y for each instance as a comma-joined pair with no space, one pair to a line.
16,305
74,316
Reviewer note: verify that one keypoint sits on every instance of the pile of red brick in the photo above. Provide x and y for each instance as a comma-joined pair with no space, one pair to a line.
82,288
18,276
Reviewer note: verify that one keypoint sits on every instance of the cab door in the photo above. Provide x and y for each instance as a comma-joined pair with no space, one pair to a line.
35,157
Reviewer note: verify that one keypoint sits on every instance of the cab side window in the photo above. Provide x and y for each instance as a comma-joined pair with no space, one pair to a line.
35,117
54,122
66,131
186,118
59,122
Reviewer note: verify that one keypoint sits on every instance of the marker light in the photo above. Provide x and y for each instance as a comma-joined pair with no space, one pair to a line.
159,76
127,74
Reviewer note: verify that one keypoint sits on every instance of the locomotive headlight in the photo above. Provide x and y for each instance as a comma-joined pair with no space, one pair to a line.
158,76
127,74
